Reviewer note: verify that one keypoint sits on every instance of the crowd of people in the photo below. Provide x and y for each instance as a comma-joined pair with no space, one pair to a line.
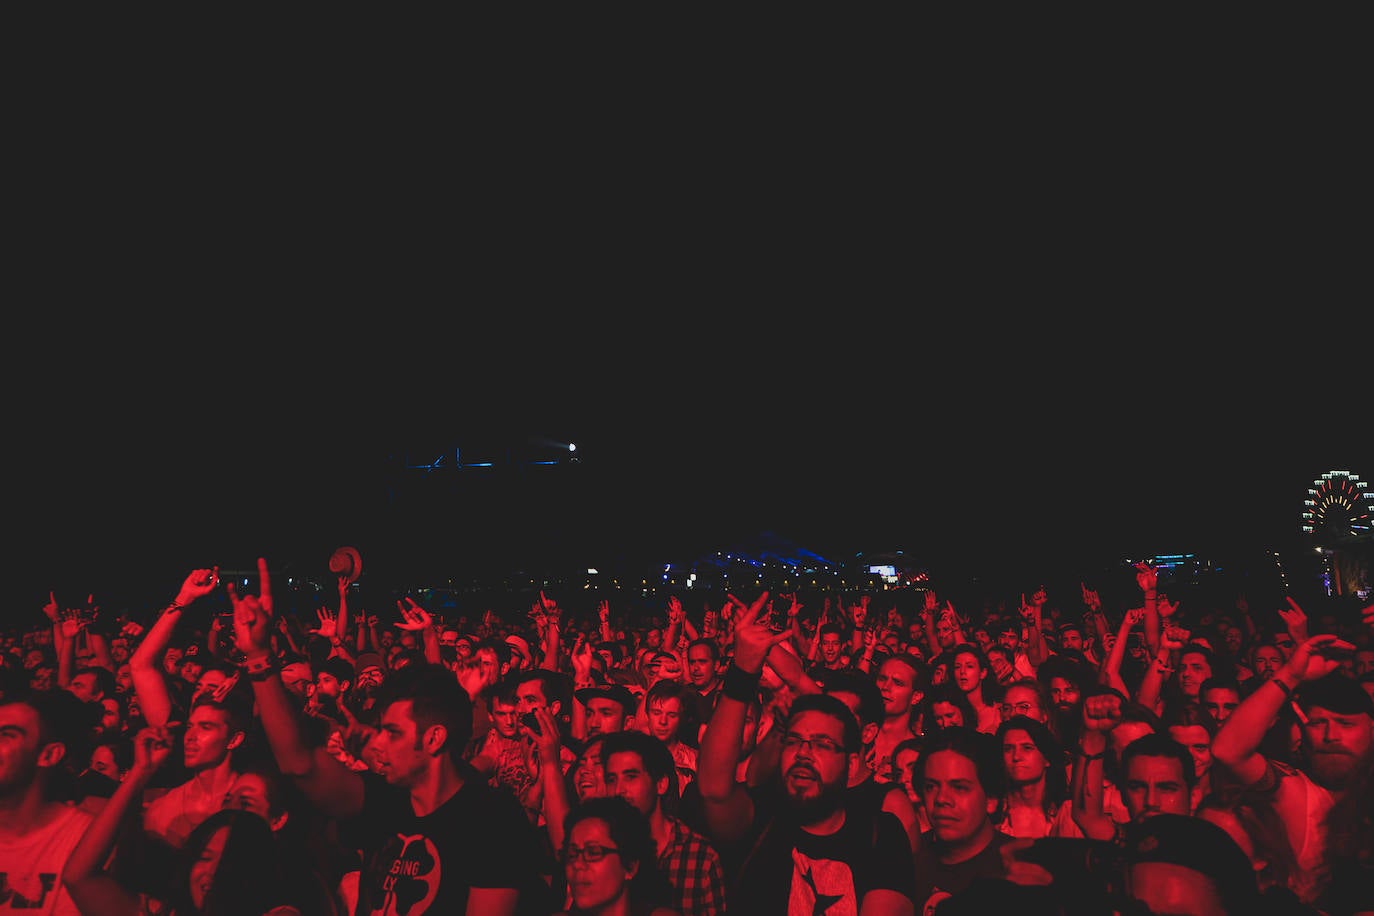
858,751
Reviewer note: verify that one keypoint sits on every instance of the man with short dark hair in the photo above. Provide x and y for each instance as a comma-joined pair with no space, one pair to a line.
40,732
640,769
703,671
432,836
960,775
1155,774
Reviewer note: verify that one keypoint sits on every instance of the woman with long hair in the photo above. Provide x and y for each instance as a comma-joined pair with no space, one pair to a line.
1037,800
968,669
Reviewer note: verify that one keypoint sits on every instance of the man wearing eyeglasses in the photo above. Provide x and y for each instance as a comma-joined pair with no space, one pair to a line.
793,845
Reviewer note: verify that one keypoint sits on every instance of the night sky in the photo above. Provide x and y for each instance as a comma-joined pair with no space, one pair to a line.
1012,453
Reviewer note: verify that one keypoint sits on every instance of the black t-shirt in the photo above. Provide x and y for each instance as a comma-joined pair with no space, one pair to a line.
935,881
478,838
780,868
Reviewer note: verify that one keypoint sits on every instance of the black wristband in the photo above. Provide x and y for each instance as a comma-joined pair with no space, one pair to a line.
1098,756
740,685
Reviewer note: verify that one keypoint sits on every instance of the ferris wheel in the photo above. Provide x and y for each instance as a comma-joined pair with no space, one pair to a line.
1339,508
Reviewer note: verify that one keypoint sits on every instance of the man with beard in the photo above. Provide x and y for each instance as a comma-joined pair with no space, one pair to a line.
1337,738
793,845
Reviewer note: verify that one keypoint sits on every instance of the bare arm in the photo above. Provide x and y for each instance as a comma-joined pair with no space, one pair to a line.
94,891
330,786
1101,713
1147,578
727,807
1237,742
145,664
1109,674
1171,641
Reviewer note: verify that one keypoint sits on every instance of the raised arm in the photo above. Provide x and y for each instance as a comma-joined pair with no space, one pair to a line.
145,664
929,609
1295,620
1148,579
94,891
1172,639
341,623
1109,674
548,620
1101,713
330,786
555,801
727,807
418,620
1237,742
1033,614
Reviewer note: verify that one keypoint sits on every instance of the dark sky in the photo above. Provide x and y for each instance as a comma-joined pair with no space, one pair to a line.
1016,450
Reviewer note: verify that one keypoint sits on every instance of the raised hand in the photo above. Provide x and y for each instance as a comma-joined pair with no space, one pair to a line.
1091,598
72,623
1101,712
546,740
859,613
413,617
473,677
52,610
253,617
198,584
329,623
581,657
1308,663
1146,576
1295,619
1166,607
1173,638
152,746
754,639
221,691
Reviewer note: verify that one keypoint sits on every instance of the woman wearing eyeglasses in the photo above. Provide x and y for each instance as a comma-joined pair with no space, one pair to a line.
610,862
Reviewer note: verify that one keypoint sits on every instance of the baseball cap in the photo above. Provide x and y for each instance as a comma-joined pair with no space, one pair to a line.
617,692
520,644
368,660
1198,845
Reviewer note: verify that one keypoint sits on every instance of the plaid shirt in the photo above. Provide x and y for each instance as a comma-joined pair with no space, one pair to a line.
694,870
